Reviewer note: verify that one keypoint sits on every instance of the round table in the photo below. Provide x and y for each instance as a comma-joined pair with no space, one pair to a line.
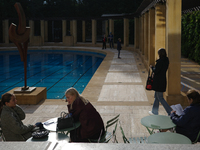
52,137
168,138
157,122
51,125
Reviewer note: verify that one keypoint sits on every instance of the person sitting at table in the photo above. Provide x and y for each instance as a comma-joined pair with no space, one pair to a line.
11,116
188,123
82,110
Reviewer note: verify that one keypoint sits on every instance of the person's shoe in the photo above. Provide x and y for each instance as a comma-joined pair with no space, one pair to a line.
119,57
150,113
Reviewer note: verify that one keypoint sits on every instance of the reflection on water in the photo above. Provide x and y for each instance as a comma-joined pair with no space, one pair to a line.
55,69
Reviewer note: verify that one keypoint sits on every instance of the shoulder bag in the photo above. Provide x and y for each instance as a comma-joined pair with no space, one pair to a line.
149,81
65,121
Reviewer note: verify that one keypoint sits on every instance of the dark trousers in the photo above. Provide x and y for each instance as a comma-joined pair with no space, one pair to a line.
111,44
104,45
118,53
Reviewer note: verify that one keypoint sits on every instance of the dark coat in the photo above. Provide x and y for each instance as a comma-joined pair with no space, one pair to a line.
90,119
188,123
12,126
119,45
159,79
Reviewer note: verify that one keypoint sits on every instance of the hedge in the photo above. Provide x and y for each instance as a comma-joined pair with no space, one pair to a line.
190,38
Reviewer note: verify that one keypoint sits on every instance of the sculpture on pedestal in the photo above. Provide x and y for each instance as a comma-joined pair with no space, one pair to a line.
20,37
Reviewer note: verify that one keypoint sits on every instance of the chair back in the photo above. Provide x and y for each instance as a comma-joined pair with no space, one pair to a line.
112,121
108,135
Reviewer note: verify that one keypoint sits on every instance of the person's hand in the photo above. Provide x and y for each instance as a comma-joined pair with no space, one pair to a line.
173,111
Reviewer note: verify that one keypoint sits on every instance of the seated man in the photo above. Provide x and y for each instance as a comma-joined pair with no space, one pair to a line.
11,116
188,123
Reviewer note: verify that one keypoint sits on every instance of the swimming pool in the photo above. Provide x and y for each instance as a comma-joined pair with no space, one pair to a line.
57,70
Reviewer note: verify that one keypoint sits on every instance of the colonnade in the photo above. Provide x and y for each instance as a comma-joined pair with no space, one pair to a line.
160,27
66,39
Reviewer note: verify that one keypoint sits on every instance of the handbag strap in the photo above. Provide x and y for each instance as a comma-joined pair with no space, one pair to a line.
150,74
63,114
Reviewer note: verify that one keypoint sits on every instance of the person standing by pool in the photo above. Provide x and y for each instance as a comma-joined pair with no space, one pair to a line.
104,42
111,40
11,116
119,47
82,110
160,82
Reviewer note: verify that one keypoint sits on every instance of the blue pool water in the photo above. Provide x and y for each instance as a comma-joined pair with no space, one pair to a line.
57,70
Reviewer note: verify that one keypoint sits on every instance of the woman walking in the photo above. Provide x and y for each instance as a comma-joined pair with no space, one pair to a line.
160,82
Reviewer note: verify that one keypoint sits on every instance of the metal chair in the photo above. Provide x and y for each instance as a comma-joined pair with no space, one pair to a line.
123,135
196,138
1,133
108,135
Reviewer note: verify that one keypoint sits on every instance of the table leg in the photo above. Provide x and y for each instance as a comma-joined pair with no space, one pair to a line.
150,131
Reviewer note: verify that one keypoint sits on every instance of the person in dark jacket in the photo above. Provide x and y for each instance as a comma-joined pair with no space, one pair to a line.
188,123
82,110
119,47
160,82
110,36
11,120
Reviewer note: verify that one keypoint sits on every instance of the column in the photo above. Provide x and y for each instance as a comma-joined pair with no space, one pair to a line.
106,29
64,29
31,24
151,37
94,31
136,34
71,27
146,35
160,26
126,32
173,48
111,26
83,31
142,35
5,31
75,31
42,31
46,31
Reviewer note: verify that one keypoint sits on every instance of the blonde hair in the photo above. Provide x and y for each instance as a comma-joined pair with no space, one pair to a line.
72,91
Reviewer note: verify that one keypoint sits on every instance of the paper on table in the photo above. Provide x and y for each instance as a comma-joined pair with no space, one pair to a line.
178,108
48,122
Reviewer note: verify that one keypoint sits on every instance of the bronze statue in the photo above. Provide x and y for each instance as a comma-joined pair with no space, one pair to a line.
20,37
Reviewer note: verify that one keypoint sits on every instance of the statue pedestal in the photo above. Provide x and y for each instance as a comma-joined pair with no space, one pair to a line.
29,98
20,90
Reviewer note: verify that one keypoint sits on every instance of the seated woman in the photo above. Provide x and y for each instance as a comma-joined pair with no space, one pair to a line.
82,110
188,123
11,116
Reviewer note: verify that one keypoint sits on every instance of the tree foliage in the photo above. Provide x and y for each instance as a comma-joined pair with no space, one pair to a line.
190,46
